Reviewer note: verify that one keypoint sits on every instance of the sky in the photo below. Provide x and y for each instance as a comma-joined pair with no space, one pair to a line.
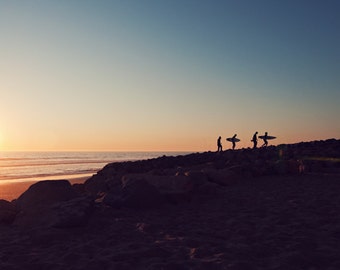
159,75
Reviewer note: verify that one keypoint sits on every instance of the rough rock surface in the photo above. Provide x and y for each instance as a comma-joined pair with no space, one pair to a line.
185,177
52,203
45,193
272,208
135,193
8,212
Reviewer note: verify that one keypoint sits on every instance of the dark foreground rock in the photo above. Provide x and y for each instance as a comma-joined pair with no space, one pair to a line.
53,203
45,193
135,193
274,223
8,212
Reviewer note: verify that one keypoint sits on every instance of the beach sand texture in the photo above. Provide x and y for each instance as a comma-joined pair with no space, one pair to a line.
272,215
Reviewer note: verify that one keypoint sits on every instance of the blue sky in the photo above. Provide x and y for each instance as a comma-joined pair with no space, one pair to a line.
166,75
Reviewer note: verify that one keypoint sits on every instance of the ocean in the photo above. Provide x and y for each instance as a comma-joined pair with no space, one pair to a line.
37,166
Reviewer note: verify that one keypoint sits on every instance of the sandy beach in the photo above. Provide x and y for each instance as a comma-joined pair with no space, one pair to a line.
276,220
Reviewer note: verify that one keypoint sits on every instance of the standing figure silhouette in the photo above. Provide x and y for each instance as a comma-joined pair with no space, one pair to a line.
265,142
254,140
219,144
234,141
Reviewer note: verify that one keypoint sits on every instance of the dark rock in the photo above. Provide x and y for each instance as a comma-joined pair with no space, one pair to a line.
146,228
113,198
183,176
135,192
73,213
65,214
224,177
79,188
208,190
101,182
45,193
197,178
8,212
52,203
138,193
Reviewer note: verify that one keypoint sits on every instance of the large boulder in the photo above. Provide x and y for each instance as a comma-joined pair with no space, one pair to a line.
44,193
181,182
138,193
175,189
8,212
135,192
101,182
178,183
53,204
72,213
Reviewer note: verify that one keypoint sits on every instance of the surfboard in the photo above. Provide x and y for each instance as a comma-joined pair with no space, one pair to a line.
233,139
267,137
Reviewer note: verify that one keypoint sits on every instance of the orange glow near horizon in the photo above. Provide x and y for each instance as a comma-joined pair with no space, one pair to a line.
163,76
130,144
106,138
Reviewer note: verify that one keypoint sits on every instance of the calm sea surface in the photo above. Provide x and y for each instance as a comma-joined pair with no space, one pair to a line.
23,166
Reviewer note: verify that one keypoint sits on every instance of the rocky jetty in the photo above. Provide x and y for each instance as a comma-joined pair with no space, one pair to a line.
268,208
203,174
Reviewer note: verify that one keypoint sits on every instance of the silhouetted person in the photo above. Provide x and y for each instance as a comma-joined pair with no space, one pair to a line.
254,140
265,142
233,141
219,144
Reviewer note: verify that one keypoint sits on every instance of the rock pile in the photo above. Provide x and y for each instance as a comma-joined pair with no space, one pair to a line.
165,180
172,179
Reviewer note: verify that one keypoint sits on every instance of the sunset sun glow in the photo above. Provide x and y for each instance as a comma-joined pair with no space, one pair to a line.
164,75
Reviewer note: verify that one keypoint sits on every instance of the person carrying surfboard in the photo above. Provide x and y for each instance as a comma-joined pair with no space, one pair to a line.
234,141
264,138
254,140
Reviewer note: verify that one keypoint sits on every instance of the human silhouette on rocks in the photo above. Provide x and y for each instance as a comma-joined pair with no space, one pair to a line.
233,140
265,141
219,144
254,140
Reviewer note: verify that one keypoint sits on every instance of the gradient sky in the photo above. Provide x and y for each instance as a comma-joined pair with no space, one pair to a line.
167,75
